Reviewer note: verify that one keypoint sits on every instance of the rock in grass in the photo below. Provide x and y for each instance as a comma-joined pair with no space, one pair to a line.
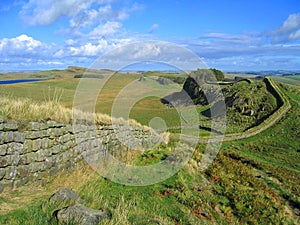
79,214
64,195
1,188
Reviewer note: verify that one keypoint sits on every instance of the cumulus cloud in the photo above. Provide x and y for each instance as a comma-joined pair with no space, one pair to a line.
20,45
25,52
84,16
45,12
89,49
289,30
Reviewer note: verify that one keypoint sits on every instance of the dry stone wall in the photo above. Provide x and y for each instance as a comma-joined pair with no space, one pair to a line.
35,151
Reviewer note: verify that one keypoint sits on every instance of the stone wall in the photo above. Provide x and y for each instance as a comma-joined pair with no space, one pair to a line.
33,152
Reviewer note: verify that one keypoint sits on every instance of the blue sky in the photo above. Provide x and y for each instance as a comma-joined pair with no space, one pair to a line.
229,35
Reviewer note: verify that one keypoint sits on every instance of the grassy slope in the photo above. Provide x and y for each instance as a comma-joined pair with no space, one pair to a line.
255,181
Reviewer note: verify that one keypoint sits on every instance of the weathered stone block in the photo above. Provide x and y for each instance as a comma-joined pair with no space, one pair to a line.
48,162
22,182
11,173
36,144
80,214
41,155
55,149
14,159
64,196
10,126
4,161
35,126
44,143
3,149
6,137
27,158
14,148
51,143
27,146
2,173
37,167
23,171
65,138
32,134
1,188
53,124
18,137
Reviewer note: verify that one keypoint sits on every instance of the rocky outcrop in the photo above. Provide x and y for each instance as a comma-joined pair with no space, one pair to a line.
64,195
70,209
79,214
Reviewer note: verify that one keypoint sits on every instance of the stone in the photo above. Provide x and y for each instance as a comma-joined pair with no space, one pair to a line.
6,137
21,182
64,195
41,155
79,214
4,161
14,148
27,158
11,173
1,188
2,173
3,149
35,126
18,137
27,146
11,126
36,144
23,171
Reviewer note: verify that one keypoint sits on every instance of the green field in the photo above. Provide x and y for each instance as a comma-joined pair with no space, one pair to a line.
252,181
123,92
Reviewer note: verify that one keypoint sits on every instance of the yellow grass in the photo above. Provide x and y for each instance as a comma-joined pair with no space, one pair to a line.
29,110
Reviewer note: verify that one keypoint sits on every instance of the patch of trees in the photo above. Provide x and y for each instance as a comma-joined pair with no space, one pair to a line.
89,76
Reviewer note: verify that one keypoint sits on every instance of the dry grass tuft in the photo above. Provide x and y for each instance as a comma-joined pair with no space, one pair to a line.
29,110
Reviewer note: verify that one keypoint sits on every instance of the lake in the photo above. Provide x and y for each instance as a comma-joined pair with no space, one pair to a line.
20,81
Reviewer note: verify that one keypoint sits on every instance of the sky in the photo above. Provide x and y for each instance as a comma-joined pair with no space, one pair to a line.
232,35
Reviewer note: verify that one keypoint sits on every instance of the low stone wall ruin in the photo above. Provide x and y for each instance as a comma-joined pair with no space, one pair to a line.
35,151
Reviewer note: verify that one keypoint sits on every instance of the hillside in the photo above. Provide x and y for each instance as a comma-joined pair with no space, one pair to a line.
248,102
251,181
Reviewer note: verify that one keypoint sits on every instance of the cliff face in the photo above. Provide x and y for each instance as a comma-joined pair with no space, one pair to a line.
36,151
247,102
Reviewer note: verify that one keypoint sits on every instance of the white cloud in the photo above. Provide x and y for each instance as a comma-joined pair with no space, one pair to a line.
295,35
70,42
289,30
291,24
20,45
84,19
89,49
84,16
45,12
107,29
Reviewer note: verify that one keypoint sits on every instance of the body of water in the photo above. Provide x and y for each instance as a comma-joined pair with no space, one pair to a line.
20,81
